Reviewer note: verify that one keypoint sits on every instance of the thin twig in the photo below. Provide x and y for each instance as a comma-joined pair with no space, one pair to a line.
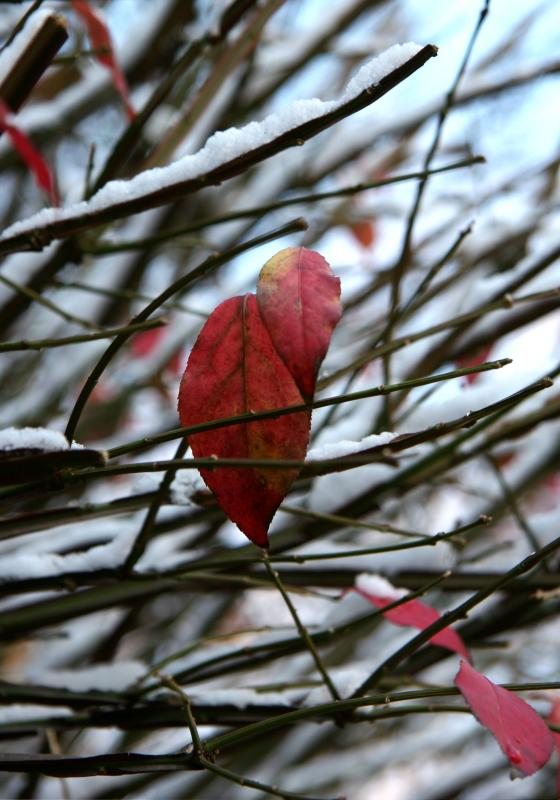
404,256
108,333
302,630
46,303
139,544
377,391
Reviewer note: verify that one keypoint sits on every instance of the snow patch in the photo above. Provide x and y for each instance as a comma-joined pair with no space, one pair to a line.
20,712
378,586
32,439
240,698
116,677
347,447
186,483
39,565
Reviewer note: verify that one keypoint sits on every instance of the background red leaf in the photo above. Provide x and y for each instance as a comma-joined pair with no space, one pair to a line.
30,155
554,718
521,733
414,613
299,300
233,369
364,231
473,361
100,39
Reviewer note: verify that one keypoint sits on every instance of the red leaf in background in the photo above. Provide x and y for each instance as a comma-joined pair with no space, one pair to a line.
100,39
414,613
521,733
299,301
364,231
554,718
33,159
473,361
233,369
145,342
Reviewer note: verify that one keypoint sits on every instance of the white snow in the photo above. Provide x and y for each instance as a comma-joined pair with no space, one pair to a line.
27,712
374,70
347,447
115,677
186,483
32,439
378,586
240,698
221,147
39,565
10,55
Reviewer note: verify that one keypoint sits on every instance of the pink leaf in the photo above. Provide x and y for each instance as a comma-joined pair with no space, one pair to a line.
554,718
32,158
100,39
521,733
414,613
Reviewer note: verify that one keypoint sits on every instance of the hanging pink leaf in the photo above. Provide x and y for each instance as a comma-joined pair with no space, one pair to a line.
414,613
299,300
521,733
29,154
100,39
234,369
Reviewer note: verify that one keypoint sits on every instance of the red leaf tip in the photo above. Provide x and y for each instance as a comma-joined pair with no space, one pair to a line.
522,735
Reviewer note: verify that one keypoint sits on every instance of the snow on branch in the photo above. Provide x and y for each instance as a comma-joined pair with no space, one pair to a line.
225,154
32,439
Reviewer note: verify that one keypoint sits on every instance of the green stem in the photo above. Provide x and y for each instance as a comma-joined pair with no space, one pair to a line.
331,709
252,784
175,433
27,291
171,684
505,303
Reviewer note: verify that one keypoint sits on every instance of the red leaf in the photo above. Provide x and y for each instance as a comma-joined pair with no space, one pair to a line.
34,160
145,342
364,231
100,39
473,361
414,613
233,369
554,718
299,300
521,733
